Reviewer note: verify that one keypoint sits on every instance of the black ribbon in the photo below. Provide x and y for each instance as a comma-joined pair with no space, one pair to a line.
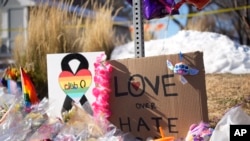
67,105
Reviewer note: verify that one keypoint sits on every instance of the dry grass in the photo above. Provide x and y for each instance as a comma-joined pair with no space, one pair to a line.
225,91
99,34
201,23
47,33
55,30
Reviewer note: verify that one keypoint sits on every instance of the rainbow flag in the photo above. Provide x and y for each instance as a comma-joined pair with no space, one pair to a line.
28,89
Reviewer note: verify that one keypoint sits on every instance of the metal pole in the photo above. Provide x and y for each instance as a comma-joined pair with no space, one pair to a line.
138,28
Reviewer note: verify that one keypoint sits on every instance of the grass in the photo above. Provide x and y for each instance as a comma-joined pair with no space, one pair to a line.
99,34
47,33
201,23
55,30
225,91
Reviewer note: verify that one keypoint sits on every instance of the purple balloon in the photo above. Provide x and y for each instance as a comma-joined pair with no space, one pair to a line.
129,1
153,9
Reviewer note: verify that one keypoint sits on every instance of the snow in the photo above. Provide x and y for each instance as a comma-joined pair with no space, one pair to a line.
220,53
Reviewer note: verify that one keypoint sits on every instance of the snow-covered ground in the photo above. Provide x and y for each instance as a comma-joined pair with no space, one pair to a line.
221,55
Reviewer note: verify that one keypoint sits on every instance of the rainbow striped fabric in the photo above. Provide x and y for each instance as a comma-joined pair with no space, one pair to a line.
28,89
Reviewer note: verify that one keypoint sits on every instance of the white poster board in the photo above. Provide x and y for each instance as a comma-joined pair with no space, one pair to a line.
58,81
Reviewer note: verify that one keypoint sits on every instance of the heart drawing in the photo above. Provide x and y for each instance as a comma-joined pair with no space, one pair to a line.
136,85
75,85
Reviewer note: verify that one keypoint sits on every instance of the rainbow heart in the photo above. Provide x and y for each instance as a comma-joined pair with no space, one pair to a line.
75,85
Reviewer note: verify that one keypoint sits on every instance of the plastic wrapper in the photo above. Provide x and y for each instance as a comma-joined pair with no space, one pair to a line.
35,125
6,102
37,116
235,116
81,126
18,124
10,129
47,131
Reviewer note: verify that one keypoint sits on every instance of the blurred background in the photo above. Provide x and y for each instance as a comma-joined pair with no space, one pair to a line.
29,29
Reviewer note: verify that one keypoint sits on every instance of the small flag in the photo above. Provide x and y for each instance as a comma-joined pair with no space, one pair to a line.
28,89
13,87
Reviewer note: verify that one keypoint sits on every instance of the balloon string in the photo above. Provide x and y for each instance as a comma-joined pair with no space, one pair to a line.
168,21
166,5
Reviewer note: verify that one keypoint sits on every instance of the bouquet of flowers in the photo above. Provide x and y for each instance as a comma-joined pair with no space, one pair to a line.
11,79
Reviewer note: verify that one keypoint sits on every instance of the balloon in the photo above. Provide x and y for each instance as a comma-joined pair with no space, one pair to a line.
199,4
153,9
158,8
130,1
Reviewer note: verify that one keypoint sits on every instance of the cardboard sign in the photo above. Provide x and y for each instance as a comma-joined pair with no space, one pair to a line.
70,76
146,95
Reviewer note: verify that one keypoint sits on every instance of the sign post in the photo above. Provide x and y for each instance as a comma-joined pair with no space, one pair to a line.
138,26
